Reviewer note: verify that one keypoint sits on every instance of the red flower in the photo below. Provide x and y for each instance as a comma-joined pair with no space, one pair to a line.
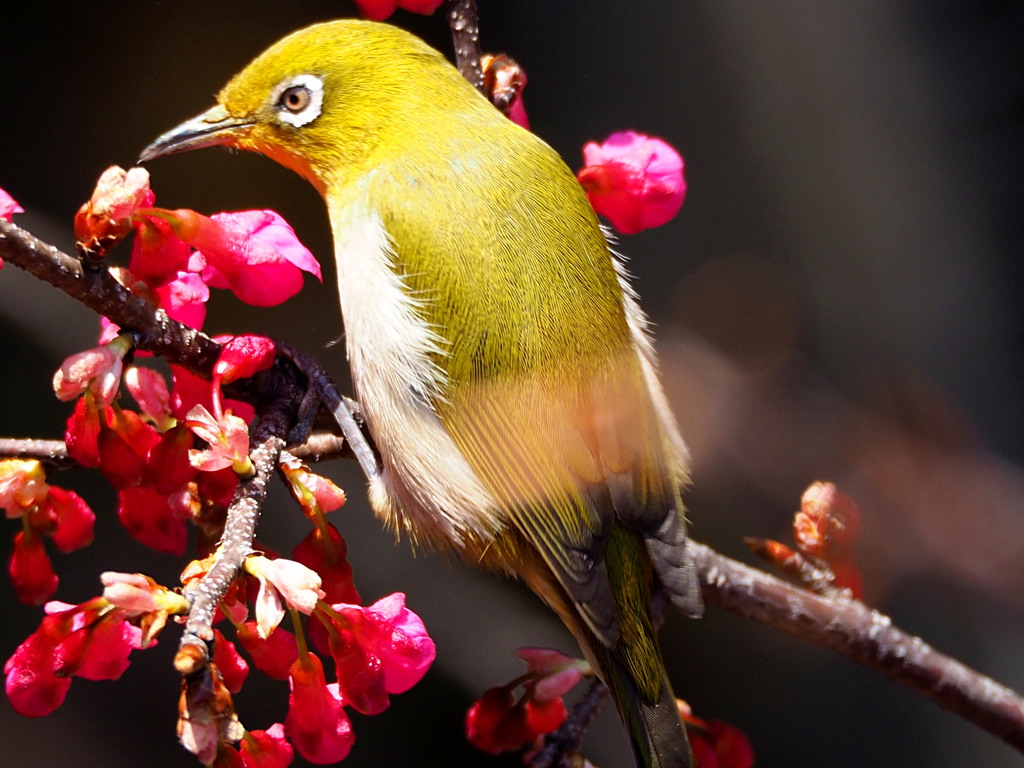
184,299
81,434
498,723
267,749
45,511
636,181
124,443
316,724
73,518
378,10
30,569
716,743
153,518
274,655
233,668
158,255
324,550
33,686
242,357
189,390
91,640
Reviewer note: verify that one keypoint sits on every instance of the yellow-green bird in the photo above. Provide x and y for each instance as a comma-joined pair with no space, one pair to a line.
500,357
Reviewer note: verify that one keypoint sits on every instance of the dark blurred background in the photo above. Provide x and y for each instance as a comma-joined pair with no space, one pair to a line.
840,299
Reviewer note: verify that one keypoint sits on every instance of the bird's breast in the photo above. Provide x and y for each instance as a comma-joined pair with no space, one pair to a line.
427,489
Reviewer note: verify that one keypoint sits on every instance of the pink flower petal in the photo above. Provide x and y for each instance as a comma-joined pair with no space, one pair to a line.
8,206
636,181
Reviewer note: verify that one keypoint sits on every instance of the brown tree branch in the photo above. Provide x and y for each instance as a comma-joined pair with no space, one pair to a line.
53,452
465,24
275,419
865,636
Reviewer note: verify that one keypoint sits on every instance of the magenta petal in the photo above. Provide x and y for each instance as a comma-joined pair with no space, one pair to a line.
184,299
112,640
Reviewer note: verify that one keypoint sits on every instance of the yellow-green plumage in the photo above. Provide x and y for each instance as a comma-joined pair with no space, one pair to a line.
502,364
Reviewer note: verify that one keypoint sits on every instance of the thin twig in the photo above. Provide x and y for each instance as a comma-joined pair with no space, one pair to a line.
465,24
866,636
52,452
569,736
236,541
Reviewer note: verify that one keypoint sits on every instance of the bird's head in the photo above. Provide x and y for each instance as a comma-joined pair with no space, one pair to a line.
327,100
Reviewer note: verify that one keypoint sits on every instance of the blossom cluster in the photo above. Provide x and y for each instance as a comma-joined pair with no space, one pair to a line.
500,722
174,459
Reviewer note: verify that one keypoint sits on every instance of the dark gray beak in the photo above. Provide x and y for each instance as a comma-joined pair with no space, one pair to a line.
214,127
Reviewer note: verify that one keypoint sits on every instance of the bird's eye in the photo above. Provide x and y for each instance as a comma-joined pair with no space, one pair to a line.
298,100
295,99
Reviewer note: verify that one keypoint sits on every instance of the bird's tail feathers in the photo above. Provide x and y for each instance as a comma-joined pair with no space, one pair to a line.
655,728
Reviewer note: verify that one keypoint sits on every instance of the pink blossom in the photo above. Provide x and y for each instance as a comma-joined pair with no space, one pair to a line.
243,356
22,485
379,649
279,579
555,673
133,593
149,389
636,181
120,193
107,217
8,206
97,369
254,253
227,439
184,299
378,10
136,594
316,724
315,493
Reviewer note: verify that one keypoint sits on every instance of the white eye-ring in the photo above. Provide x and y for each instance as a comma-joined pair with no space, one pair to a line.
299,100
